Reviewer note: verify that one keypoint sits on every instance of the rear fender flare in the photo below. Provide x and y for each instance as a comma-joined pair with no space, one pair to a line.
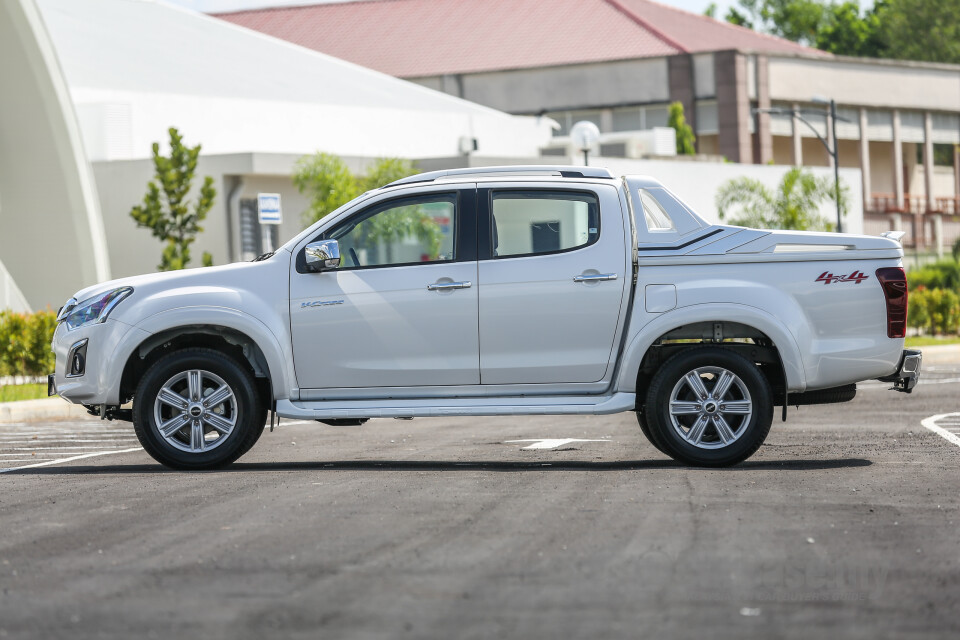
783,340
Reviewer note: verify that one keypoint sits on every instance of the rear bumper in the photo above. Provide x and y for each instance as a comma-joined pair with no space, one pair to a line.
908,371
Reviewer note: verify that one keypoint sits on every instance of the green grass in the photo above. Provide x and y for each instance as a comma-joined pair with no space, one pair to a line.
15,392
929,341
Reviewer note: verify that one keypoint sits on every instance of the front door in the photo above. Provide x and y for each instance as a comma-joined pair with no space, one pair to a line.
401,310
552,282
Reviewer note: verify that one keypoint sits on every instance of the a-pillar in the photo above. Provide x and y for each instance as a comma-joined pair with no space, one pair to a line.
865,161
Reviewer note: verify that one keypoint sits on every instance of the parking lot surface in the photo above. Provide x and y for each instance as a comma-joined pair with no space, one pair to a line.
844,524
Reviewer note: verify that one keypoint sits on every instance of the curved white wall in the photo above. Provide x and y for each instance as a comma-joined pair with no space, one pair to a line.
52,241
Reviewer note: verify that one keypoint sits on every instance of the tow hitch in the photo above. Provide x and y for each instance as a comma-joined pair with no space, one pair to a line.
908,373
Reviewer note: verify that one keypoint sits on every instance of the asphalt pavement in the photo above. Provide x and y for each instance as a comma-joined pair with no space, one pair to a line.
844,524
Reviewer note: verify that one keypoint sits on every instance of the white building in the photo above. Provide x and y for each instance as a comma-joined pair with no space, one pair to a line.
114,75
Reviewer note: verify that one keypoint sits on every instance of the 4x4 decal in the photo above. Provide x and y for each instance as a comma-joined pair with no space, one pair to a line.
827,278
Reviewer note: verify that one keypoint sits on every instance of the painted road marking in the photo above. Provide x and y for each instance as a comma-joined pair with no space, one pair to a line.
949,429
551,443
23,446
61,460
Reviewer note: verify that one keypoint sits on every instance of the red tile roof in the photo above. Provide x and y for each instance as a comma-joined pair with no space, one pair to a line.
417,38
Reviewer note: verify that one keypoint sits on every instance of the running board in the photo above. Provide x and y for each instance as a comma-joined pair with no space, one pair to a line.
439,407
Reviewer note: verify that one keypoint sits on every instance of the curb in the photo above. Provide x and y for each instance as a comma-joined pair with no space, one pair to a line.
46,409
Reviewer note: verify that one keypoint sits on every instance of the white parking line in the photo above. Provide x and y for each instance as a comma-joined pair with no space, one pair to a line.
551,443
61,460
103,446
931,423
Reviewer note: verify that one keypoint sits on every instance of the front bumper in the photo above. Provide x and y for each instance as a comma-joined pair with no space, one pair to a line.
106,348
908,371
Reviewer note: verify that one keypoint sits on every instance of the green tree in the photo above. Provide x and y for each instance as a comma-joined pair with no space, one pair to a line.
794,204
844,31
386,170
685,138
330,184
711,10
797,20
166,211
927,30
740,19
407,221
327,181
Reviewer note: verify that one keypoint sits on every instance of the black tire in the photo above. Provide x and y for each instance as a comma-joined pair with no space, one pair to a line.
178,450
744,411
645,428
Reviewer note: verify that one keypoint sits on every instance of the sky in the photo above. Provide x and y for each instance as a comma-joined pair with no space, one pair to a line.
208,6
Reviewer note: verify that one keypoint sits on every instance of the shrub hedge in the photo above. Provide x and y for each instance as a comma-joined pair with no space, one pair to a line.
25,343
936,310
935,297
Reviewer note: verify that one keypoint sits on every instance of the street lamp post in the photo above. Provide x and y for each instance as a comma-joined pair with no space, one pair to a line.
584,135
834,152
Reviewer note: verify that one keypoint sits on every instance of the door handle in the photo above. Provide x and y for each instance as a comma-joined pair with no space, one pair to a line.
600,277
445,286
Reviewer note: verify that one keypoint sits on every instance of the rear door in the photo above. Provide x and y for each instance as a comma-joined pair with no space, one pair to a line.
552,273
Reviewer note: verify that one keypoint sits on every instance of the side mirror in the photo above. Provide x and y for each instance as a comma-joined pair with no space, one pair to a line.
323,255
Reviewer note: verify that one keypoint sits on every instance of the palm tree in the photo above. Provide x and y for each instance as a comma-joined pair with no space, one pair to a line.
794,204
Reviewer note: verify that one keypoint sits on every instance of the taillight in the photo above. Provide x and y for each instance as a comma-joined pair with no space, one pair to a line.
894,283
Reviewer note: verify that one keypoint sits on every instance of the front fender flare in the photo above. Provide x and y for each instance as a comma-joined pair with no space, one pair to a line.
279,360
759,319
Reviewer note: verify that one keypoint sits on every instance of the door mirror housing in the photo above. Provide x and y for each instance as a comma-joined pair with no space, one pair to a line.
322,255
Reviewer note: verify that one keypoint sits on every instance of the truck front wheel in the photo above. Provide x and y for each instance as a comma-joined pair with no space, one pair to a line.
709,406
197,409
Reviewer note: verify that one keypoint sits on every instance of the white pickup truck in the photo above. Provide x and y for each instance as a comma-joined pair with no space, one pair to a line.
501,291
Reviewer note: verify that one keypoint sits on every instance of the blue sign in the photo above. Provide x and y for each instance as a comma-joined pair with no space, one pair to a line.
268,208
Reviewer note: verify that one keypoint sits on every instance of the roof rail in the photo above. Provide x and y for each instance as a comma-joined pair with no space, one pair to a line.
516,170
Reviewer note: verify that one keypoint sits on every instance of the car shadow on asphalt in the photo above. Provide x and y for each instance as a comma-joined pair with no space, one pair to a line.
450,465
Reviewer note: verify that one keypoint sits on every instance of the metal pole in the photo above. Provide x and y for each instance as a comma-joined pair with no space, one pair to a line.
266,238
586,153
836,160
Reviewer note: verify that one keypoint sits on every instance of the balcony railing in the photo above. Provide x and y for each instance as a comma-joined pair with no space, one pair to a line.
887,203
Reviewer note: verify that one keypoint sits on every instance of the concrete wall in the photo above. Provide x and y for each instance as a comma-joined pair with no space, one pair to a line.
697,183
563,87
943,181
877,83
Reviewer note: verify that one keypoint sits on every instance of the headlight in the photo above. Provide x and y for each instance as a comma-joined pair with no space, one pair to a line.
96,309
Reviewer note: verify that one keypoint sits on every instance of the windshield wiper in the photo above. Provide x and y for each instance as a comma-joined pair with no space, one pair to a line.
263,256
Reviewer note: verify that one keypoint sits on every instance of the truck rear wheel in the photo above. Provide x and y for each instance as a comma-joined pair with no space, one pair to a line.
197,409
709,406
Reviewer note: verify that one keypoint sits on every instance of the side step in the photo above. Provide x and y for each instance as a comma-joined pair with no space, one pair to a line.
438,407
